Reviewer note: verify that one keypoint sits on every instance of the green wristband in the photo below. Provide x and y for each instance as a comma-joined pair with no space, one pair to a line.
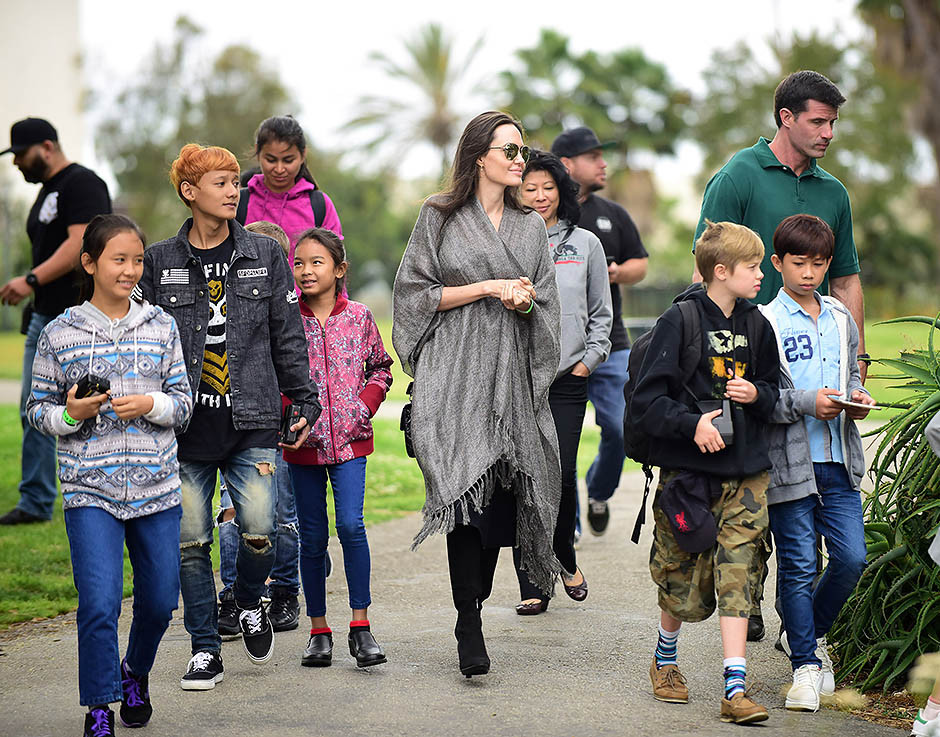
69,420
531,305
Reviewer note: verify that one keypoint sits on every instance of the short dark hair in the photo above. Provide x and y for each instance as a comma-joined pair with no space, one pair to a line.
568,207
331,242
804,235
799,88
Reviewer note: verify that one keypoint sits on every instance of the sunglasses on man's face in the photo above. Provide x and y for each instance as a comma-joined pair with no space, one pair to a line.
512,150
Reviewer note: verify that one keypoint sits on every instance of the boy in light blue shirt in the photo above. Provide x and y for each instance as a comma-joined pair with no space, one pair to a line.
816,451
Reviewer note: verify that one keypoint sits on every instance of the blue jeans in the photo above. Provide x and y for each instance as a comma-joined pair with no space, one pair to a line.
249,476
96,541
37,489
605,392
348,481
285,578
836,515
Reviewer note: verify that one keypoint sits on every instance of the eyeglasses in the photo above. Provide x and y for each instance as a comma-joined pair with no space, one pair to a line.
512,150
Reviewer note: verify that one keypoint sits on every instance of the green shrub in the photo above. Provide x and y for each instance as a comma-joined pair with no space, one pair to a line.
894,613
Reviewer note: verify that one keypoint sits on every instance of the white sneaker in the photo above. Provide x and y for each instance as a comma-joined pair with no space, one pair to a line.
804,693
828,686
822,652
925,727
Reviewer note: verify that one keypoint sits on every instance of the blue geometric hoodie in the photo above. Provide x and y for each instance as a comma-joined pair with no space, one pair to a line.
126,467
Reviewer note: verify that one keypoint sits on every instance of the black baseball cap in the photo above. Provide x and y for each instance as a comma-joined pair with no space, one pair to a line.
686,500
24,133
577,141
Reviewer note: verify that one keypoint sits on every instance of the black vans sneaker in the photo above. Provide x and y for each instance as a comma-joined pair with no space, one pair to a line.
99,722
135,698
228,617
204,671
257,634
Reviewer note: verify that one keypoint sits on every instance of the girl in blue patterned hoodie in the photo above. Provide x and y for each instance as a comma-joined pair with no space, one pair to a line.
117,465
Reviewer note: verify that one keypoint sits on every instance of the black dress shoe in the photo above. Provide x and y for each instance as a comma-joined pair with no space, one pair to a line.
755,628
319,651
471,649
18,517
364,648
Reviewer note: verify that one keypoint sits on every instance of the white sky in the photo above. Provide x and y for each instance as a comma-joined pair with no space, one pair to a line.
321,49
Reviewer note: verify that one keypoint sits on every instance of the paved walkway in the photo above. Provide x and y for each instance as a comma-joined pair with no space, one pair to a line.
578,669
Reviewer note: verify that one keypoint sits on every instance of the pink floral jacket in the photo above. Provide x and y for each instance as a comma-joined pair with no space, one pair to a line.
352,372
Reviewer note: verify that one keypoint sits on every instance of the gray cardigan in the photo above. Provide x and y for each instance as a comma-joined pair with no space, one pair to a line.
792,474
584,290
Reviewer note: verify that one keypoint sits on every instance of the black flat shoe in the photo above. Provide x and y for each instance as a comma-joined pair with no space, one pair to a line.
319,651
531,607
579,592
755,628
364,648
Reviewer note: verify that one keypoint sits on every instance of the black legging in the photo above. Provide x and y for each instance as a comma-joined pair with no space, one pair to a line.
471,568
567,398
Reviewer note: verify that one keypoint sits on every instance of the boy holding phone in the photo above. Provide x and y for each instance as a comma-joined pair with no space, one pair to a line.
816,449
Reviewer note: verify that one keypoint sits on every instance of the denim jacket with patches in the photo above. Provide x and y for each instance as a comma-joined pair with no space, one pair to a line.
267,350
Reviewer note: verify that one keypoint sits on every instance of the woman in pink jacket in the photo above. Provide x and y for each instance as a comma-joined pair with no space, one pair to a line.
285,193
352,371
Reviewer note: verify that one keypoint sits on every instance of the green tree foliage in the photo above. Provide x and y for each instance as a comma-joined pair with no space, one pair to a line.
174,100
397,123
623,96
873,152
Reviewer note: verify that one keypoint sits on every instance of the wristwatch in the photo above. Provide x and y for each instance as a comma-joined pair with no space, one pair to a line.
32,280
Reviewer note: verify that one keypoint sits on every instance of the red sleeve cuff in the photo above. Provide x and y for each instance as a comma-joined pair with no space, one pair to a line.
372,396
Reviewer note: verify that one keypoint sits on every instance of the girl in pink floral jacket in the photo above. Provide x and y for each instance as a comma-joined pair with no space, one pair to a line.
351,369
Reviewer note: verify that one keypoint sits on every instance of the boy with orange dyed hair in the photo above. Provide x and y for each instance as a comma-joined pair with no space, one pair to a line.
232,294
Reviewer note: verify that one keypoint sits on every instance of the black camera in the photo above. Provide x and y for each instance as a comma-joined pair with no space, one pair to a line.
91,384
722,422
290,417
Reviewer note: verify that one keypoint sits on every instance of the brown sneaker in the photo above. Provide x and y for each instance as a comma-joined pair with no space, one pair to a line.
741,710
668,684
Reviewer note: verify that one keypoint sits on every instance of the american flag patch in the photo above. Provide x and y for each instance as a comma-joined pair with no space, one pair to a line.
174,276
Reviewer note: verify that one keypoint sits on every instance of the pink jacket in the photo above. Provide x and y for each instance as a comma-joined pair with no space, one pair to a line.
352,372
291,209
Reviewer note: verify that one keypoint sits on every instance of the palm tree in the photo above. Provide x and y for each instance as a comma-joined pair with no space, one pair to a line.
401,123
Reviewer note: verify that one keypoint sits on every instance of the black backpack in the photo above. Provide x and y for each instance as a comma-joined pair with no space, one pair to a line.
636,443
317,203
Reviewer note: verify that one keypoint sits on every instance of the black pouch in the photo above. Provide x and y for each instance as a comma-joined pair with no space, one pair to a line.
27,318
723,422
405,425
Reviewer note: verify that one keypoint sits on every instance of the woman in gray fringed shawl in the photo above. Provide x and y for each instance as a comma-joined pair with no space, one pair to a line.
477,324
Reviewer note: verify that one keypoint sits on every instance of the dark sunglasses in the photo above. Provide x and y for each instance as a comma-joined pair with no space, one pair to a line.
512,150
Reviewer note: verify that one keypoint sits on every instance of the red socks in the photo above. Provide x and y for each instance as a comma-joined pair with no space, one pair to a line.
321,631
362,624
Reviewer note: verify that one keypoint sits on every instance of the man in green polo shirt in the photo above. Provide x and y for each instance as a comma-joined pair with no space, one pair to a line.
762,185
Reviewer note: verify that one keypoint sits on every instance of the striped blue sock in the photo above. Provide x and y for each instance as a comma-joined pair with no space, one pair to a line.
667,647
735,676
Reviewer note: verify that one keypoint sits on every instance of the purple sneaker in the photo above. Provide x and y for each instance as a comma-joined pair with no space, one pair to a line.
135,698
99,723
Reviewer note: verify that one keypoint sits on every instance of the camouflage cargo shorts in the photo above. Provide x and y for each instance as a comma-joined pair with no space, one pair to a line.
690,582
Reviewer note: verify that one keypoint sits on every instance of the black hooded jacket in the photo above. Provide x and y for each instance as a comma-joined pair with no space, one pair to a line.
666,410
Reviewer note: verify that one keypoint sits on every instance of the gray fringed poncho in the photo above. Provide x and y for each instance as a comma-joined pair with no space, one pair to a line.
480,409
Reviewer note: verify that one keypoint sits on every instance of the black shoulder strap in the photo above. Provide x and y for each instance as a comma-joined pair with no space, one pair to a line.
318,205
241,214
691,345
641,517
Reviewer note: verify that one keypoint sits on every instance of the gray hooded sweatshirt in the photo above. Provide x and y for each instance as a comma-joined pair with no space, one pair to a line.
584,290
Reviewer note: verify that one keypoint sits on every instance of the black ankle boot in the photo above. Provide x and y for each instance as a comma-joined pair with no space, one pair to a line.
471,649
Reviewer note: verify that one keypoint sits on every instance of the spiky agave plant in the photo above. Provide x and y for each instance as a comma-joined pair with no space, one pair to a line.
894,613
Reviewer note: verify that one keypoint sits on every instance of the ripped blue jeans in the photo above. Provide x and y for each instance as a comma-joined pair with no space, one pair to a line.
249,476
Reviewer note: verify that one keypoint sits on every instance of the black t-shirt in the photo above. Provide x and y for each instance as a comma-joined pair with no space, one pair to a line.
621,240
72,197
211,435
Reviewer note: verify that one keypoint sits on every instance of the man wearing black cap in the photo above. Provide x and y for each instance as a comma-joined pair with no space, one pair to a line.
70,197
582,154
